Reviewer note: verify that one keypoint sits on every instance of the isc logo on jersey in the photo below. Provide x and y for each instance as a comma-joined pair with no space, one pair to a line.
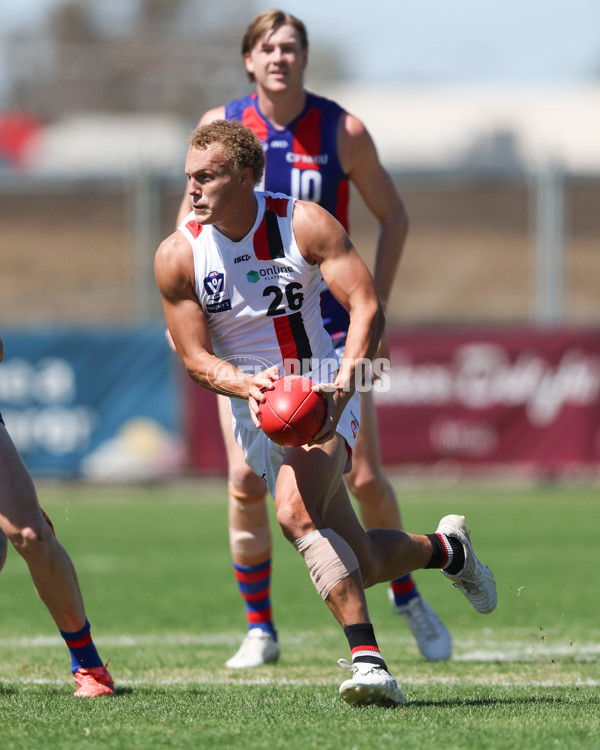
274,144
218,296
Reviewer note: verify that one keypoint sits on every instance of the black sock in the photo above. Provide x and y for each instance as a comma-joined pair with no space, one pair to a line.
458,556
448,553
363,644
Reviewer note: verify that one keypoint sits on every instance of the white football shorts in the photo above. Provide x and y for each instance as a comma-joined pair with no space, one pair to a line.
265,457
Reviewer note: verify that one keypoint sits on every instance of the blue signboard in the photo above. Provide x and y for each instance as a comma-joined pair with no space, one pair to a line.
92,403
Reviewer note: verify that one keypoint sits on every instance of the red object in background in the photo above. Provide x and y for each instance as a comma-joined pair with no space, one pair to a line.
205,446
482,397
469,397
18,130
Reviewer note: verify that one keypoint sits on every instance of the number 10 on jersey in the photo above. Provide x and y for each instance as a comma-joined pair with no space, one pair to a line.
306,184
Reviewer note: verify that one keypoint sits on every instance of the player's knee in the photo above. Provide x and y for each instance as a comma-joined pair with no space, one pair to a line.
366,486
329,558
294,519
243,483
32,542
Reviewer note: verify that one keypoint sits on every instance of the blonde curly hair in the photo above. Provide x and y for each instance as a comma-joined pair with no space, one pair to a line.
241,148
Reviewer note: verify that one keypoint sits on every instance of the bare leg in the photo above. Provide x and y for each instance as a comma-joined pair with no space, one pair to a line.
383,554
347,601
310,495
367,481
22,522
379,510
251,547
249,531
53,574
3,549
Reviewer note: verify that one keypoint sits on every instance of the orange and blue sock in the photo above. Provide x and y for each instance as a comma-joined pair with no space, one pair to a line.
81,646
254,582
404,589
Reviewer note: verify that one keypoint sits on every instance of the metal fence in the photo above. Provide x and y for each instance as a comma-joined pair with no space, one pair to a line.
483,247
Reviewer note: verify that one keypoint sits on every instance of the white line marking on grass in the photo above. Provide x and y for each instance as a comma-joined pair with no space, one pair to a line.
126,641
523,651
464,650
492,681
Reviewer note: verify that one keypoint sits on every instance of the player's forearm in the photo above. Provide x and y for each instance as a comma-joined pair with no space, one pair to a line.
392,236
218,376
365,330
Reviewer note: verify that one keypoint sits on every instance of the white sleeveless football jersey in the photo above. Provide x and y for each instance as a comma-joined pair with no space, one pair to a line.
261,297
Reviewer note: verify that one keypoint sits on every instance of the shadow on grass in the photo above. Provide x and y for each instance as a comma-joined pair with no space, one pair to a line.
489,702
8,690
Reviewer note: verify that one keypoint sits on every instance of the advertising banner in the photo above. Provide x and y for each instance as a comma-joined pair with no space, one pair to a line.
92,404
481,396
473,397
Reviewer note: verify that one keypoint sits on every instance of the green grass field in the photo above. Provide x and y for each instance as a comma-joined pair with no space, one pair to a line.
156,575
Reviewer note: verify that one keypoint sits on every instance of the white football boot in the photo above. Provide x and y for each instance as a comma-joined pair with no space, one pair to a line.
370,685
258,648
432,636
475,580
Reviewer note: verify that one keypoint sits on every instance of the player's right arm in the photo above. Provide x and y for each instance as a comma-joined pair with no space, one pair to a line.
188,326
322,240
218,113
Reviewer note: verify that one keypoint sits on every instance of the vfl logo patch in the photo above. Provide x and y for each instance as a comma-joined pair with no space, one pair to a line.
214,282
218,297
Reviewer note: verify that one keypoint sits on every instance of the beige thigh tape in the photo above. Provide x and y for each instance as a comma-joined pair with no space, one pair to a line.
329,558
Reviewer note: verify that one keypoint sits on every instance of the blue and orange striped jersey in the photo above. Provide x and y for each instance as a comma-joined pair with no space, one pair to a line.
302,161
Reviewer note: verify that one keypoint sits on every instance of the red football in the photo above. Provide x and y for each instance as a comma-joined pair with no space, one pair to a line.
292,413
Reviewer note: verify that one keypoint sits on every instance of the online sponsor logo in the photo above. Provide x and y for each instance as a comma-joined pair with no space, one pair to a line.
270,272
